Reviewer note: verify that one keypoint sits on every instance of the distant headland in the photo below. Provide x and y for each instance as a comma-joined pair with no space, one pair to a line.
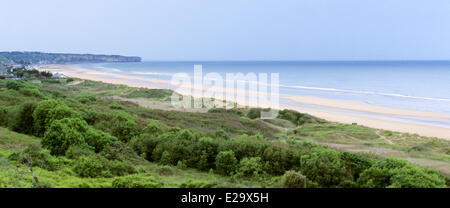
30,58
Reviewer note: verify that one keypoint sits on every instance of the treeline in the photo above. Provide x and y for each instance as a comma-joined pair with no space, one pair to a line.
92,144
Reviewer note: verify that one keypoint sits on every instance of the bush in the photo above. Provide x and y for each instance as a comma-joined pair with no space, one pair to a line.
4,116
64,133
48,111
25,122
324,167
14,85
250,167
206,148
254,113
226,162
153,128
91,167
165,158
75,152
136,181
298,118
412,176
86,99
116,106
399,174
119,151
356,163
98,139
120,168
31,92
34,156
294,179
179,145
123,127
379,174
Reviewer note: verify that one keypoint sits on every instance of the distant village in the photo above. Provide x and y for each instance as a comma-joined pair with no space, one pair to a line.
12,71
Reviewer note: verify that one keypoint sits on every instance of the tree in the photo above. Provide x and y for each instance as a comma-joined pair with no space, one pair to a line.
324,167
123,127
47,111
379,174
226,162
396,173
64,133
98,139
25,122
412,176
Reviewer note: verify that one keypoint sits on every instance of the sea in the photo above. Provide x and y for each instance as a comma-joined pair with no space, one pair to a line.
414,85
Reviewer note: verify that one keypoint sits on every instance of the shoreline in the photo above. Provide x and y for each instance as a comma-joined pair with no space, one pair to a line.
328,109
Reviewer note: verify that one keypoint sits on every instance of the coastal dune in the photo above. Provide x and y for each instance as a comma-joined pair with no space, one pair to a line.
330,109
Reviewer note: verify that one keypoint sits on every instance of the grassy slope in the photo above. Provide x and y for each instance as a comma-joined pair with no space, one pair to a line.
346,137
170,176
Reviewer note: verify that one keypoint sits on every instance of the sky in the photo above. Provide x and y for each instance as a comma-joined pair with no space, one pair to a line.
231,29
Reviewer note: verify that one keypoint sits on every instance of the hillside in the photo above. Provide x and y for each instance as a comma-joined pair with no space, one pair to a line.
80,133
60,58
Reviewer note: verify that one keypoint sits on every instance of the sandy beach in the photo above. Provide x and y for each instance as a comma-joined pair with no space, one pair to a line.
343,111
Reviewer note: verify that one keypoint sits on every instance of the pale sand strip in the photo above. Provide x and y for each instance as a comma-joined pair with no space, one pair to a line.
425,130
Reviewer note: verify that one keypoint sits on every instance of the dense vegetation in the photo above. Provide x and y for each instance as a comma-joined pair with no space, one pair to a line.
75,136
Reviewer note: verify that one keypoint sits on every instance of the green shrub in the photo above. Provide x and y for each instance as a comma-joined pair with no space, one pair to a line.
4,116
64,133
356,163
294,179
165,158
254,113
223,110
226,162
76,151
25,122
120,151
86,99
153,128
123,127
94,166
379,174
14,85
48,111
298,118
120,168
136,181
206,148
91,167
325,167
412,176
98,139
31,92
401,174
116,106
250,167
34,156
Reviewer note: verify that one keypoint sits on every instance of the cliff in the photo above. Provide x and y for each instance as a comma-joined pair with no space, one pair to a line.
61,58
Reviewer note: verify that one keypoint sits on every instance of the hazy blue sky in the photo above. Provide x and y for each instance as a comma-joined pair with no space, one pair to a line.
231,29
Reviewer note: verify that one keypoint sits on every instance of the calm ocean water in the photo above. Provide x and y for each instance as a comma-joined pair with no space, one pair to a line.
417,85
